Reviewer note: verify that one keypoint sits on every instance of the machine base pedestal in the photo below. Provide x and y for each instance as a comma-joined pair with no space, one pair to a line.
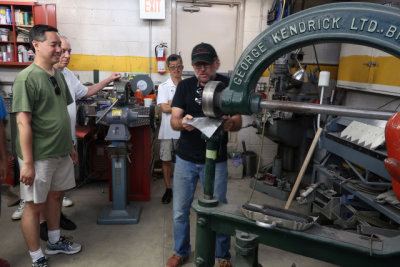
320,242
130,215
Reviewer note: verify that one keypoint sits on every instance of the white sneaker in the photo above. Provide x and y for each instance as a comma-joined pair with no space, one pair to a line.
18,213
67,202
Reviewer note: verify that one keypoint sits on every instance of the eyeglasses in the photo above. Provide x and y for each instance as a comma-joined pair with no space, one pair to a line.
199,66
175,67
55,84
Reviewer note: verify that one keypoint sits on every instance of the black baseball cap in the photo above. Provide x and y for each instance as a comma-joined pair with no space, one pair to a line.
203,52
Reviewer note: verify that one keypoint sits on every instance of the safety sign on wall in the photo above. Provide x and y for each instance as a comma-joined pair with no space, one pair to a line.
152,9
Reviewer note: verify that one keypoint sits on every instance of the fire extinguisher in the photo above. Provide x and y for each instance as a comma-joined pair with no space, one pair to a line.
160,51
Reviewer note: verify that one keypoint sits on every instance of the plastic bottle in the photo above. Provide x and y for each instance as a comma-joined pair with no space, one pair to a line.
2,15
31,55
139,97
16,16
25,56
21,18
26,18
8,16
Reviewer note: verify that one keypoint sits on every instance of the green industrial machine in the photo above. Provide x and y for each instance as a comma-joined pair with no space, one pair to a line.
359,23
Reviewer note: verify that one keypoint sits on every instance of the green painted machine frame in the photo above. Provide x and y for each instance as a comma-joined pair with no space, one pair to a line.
359,23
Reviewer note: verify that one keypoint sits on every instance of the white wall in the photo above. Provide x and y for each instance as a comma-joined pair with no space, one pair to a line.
255,19
104,27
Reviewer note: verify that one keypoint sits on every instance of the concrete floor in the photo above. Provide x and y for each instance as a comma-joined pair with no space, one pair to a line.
149,243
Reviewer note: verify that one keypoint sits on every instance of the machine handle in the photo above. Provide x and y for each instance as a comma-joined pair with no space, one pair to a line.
303,168
107,110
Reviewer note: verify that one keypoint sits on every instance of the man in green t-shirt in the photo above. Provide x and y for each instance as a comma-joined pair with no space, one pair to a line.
44,144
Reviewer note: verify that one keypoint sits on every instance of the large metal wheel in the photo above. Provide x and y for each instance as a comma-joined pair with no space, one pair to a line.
211,97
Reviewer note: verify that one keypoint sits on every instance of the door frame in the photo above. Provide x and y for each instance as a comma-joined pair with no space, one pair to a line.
239,22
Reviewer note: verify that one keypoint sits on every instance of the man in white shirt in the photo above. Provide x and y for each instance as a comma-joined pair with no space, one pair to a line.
76,88
168,137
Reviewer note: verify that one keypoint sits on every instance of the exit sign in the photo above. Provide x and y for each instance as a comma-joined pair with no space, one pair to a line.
152,9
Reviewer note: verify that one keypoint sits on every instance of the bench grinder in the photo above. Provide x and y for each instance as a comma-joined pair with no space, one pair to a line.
119,116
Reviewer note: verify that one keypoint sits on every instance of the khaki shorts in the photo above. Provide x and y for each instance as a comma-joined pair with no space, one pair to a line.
52,174
166,149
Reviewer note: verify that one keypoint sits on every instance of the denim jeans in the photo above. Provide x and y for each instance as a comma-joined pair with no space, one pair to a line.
185,180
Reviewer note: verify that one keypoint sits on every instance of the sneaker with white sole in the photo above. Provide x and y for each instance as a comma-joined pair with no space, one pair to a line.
67,202
63,245
17,214
42,262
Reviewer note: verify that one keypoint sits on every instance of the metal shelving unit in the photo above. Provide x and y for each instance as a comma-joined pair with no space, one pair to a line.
23,6
387,210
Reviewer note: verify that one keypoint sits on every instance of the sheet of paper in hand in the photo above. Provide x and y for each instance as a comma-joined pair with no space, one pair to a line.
206,125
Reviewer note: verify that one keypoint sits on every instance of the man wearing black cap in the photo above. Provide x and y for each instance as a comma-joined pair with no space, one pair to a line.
191,151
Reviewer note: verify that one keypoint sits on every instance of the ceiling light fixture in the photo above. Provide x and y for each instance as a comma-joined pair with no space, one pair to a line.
191,9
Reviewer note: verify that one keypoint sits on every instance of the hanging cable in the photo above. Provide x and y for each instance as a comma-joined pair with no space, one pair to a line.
316,58
283,9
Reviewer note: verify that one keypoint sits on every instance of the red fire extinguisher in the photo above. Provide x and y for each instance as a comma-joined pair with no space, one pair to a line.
160,51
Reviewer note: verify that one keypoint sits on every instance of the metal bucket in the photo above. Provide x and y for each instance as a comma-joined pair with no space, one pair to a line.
249,163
